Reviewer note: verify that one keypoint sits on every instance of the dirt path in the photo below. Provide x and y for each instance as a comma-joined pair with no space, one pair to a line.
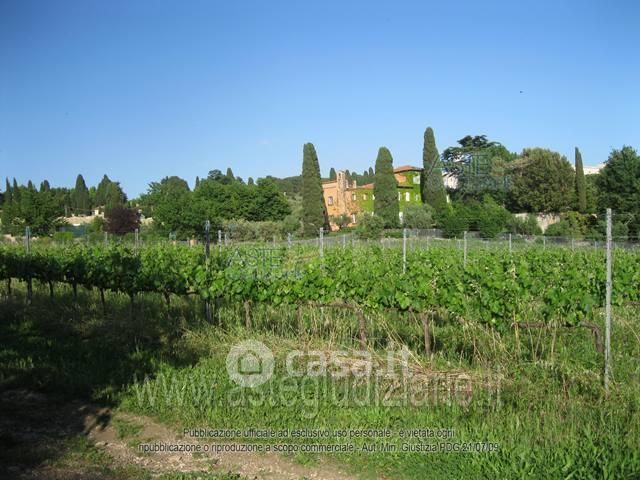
35,427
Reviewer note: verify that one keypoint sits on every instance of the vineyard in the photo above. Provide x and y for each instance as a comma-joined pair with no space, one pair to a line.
494,287
88,320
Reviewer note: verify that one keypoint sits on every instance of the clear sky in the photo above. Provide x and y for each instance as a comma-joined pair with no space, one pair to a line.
144,89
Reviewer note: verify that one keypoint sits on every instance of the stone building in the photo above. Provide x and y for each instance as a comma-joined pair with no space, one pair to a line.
342,197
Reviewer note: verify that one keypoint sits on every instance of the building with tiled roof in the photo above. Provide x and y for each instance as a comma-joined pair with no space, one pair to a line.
342,197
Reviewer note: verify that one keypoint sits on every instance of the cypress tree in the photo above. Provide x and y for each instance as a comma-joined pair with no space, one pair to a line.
101,191
230,176
313,209
197,181
371,174
80,200
332,174
114,196
385,189
433,192
44,186
7,193
581,186
250,181
15,191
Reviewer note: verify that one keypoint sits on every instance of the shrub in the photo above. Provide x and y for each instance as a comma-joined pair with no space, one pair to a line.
524,226
571,224
417,216
491,218
454,221
369,226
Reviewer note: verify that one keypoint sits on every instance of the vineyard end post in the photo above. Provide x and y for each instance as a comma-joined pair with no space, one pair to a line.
404,251
607,334
464,264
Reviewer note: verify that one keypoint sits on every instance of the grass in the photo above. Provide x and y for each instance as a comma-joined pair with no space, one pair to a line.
552,419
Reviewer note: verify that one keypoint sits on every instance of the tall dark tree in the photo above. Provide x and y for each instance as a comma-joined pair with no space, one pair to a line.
101,191
7,192
370,172
44,186
581,184
313,208
230,176
15,191
433,192
250,181
81,202
332,174
385,189
114,196
197,181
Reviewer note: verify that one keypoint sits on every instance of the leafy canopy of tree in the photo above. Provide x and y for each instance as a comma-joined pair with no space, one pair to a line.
24,206
619,186
176,209
542,181
385,190
480,166
120,220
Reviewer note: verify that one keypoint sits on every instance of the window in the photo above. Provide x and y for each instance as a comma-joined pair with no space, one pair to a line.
364,196
330,201
373,196
353,196
353,218
416,179
417,197
407,197
399,196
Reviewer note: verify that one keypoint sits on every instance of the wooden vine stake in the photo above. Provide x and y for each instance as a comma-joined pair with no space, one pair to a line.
426,329
362,328
247,314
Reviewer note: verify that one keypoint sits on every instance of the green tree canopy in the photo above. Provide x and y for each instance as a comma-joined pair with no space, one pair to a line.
480,167
542,182
80,199
581,185
619,186
385,190
433,192
313,208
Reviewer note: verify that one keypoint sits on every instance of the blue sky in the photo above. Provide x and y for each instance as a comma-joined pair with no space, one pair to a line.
144,89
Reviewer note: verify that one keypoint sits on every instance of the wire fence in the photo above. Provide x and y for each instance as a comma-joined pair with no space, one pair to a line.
411,239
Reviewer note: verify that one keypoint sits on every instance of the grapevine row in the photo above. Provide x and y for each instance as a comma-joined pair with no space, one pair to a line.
495,287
